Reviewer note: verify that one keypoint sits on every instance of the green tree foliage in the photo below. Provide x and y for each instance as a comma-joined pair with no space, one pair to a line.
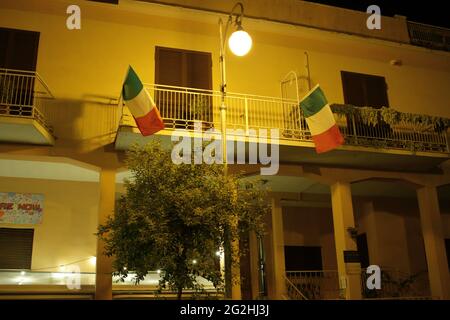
176,217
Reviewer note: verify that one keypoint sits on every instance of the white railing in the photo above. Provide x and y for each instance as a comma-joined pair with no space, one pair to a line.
316,285
324,284
182,107
23,94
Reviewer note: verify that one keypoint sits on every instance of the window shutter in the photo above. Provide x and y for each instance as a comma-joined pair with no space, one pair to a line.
169,67
16,247
364,90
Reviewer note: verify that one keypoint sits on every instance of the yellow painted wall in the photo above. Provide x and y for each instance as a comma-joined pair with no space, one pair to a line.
393,232
311,227
392,228
306,13
82,66
66,233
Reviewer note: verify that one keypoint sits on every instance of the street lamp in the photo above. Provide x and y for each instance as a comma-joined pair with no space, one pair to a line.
240,44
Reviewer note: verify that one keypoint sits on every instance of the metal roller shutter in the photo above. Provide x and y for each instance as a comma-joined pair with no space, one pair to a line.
16,247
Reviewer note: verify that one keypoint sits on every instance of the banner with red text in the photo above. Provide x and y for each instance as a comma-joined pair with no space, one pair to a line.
21,208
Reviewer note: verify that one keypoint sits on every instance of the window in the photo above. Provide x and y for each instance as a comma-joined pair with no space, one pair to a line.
302,258
363,250
183,68
16,247
18,52
363,90
18,49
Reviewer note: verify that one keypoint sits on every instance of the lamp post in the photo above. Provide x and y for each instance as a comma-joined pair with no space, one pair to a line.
240,44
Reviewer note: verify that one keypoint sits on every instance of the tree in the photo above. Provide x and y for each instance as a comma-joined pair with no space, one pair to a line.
176,217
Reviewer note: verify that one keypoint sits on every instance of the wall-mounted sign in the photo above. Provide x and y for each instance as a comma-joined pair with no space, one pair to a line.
21,208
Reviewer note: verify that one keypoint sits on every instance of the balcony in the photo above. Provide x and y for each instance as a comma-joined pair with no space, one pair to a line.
23,96
324,285
369,143
429,36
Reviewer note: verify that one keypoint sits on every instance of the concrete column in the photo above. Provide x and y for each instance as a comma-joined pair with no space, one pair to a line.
349,272
103,277
431,222
279,269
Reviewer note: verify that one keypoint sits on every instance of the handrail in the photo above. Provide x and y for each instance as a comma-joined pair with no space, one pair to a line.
214,92
23,94
294,287
44,84
180,107
33,74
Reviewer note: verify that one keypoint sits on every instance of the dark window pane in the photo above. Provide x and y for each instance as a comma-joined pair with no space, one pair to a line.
4,41
353,86
302,258
376,91
18,49
364,90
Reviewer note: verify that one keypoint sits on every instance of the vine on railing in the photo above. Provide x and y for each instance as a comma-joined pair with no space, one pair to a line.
371,116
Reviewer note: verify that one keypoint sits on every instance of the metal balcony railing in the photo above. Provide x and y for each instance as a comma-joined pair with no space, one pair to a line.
181,108
397,284
23,94
429,36
324,284
315,285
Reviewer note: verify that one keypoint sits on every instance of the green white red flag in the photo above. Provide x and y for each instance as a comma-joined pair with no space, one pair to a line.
141,104
322,125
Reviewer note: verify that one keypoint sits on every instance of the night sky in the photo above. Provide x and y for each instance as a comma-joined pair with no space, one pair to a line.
432,12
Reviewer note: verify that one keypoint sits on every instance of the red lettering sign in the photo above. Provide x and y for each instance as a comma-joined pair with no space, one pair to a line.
6,205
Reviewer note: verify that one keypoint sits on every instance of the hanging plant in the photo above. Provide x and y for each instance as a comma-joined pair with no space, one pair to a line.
343,109
392,117
369,116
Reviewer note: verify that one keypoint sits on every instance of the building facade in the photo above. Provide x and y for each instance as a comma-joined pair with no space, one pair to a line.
384,194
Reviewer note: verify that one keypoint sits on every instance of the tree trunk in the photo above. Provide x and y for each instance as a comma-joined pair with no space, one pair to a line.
179,293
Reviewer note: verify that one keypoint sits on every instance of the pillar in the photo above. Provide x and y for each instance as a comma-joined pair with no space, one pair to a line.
431,223
349,270
103,276
278,262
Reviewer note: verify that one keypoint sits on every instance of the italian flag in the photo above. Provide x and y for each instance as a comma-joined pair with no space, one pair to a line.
322,125
141,105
